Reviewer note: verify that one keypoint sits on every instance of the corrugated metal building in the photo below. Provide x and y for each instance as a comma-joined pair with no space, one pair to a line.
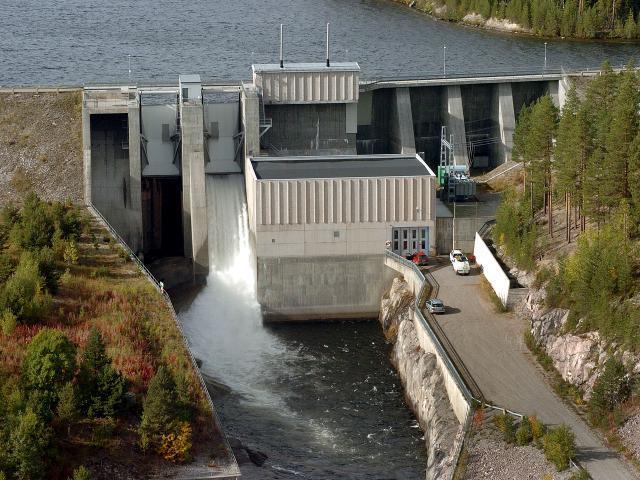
322,224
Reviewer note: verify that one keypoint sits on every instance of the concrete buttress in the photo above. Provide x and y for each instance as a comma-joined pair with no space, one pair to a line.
194,200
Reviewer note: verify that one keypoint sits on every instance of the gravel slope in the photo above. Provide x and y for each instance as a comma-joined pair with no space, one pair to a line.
41,146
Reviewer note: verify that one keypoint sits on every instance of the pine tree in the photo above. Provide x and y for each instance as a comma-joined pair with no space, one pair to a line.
572,150
600,93
630,27
619,137
634,179
49,364
68,408
101,387
569,19
29,442
159,410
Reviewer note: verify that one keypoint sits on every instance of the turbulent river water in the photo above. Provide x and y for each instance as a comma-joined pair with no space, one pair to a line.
75,41
321,400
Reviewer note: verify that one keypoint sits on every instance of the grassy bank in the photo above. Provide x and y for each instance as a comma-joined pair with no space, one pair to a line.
94,370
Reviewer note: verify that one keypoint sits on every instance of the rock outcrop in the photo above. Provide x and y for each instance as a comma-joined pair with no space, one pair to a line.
418,370
578,358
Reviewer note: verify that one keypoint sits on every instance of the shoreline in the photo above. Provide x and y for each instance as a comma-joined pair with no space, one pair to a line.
517,30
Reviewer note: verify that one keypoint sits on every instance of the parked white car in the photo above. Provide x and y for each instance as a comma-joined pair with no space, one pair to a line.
459,262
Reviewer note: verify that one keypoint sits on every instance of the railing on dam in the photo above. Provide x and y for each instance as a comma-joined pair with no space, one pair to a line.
526,73
232,470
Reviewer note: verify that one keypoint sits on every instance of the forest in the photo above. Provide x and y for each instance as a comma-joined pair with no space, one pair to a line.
93,370
587,19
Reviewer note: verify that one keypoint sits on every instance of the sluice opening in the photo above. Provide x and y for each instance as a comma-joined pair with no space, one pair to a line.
162,217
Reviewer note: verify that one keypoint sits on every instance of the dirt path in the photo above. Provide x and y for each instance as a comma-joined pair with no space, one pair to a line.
491,346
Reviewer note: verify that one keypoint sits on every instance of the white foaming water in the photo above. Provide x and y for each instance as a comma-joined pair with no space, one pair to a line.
224,323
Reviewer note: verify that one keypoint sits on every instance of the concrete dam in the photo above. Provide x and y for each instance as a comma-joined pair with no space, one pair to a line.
336,170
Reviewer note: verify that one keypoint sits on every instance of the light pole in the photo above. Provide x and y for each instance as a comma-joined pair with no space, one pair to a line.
444,63
545,56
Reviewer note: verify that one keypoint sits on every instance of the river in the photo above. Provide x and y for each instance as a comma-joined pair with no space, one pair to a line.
321,400
54,42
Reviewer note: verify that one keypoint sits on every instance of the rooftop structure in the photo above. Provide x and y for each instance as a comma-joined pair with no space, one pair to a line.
339,166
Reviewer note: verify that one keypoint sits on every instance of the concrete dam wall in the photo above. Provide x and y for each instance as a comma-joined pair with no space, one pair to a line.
349,167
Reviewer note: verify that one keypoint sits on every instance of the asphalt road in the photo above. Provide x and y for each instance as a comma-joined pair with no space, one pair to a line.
492,347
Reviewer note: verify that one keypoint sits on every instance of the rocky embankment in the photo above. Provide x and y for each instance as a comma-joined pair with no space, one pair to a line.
424,389
579,358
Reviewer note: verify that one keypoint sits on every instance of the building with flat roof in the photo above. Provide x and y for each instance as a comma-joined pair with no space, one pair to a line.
322,224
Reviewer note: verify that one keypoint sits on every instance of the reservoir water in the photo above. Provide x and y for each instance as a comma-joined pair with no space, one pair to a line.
320,400
49,42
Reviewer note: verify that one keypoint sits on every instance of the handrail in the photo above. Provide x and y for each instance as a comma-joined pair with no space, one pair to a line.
437,341
216,420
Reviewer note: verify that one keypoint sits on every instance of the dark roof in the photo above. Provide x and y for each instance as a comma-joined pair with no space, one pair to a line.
285,168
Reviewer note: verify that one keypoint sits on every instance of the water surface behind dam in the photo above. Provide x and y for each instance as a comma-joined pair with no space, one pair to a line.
76,41
321,400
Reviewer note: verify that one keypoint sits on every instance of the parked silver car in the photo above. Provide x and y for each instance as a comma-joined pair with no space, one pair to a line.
435,305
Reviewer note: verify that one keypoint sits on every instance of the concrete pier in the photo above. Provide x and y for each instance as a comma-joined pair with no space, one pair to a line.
506,122
194,200
401,136
135,178
453,118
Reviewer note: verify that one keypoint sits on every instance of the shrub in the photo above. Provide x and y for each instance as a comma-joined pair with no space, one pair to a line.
523,433
28,442
101,387
22,293
81,473
537,429
35,228
611,388
70,253
175,447
7,267
68,411
504,423
580,475
559,446
102,431
8,322
49,364
160,409
47,268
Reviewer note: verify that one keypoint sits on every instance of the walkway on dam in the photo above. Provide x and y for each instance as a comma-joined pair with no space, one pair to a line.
492,347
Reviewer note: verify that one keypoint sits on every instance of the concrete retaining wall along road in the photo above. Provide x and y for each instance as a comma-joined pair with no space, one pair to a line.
458,394
321,288
492,270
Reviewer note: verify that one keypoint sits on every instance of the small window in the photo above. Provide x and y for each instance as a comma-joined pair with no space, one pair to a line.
414,233
404,245
395,245
424,244
395,234
405,234
336,234
424,233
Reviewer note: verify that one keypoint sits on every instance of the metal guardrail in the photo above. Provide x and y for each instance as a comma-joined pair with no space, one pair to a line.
438,342
216,421
452,360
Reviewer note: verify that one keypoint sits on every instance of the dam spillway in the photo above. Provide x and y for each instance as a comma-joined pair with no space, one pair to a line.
297,393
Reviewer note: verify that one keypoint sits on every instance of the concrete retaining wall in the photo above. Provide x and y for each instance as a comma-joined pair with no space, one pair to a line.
321,288
492,270
458,395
